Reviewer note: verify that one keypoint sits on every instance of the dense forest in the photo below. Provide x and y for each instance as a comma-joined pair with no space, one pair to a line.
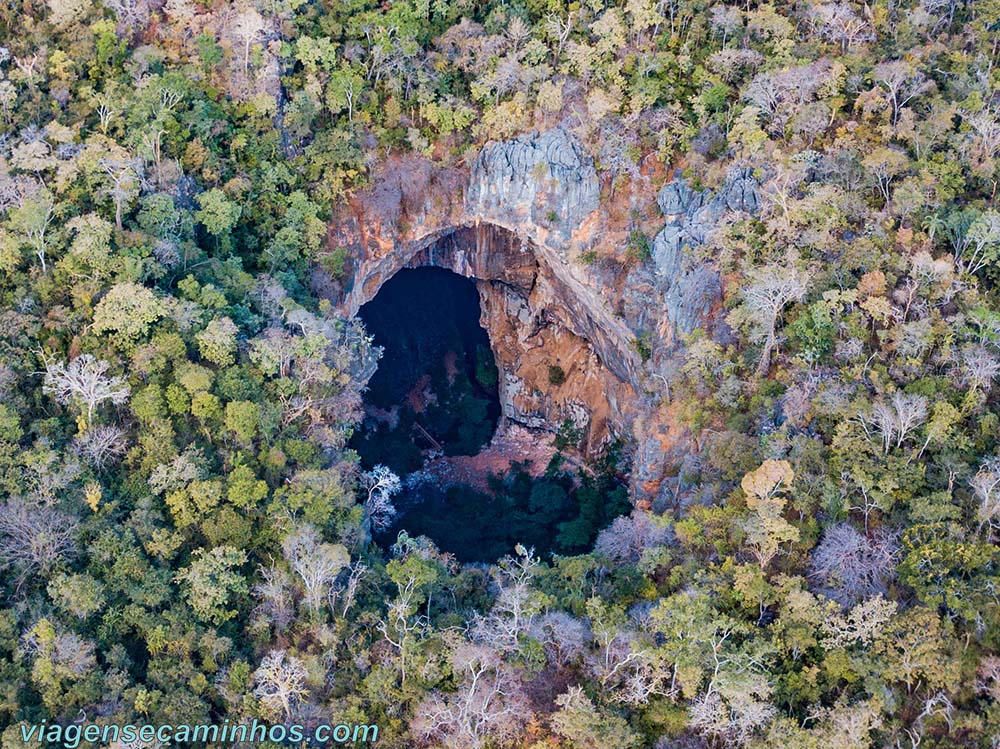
186,535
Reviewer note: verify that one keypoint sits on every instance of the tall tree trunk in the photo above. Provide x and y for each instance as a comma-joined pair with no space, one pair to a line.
765,355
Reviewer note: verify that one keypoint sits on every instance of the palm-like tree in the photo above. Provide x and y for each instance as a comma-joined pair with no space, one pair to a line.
932,224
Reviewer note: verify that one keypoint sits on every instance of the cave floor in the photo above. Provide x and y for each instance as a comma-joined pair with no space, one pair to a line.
511,444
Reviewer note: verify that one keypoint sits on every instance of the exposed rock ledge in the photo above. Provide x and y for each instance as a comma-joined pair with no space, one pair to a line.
518,222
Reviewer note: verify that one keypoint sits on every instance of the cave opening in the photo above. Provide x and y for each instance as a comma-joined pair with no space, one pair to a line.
435,390
435,398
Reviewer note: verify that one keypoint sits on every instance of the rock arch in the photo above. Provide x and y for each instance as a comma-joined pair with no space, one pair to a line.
557,359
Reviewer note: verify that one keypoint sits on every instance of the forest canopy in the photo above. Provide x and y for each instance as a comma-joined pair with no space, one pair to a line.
185,536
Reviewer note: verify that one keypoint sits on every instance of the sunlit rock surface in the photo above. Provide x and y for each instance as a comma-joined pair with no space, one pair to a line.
547,180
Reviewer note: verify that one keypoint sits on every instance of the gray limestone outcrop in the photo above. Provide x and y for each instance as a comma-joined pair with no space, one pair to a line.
548,179
691,288
741,191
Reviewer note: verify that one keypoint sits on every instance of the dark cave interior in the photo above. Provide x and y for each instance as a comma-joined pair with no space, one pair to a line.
436,384
435,395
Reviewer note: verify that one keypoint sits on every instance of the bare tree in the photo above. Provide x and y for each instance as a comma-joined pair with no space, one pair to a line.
274,592
34,539
978,368
488,708
132,15
629,536
516,603
937,705
766,292
988,677
896,418
903,82
126,177
280,682
106,111
8,98
647,677
676,12
734,714
841,24
564,637
504,78
627,666
381,484
559,28
617,646
943,11
782,190
850,724
152,141
986,486
986,125
101,446
84,382
518,32
247,27
725,21
349,590
850,566
315,562
29,66
765,93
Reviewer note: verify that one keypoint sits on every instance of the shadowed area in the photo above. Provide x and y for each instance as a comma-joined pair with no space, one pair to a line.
435,391
434,397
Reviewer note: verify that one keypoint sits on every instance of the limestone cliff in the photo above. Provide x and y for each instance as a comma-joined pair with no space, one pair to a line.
690,289
564,332
546,180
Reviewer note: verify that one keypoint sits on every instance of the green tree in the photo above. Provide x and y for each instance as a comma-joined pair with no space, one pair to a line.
217,342
126,313
213,584
586,726
217,213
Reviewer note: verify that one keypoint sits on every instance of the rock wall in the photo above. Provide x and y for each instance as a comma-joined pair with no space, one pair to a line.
534,324
518,221
690,289
545,180
687,293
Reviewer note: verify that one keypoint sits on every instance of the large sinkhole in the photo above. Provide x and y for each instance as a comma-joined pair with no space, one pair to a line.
434,397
